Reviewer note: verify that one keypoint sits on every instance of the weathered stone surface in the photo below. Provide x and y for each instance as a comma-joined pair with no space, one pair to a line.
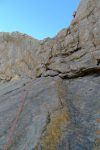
40,100
83,96
50,89
68,53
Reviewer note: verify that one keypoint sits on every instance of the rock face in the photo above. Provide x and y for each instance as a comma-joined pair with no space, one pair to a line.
50,89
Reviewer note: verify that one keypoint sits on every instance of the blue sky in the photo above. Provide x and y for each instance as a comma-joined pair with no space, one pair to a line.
38,18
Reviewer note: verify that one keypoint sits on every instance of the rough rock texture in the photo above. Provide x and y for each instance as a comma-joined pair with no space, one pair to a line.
50,89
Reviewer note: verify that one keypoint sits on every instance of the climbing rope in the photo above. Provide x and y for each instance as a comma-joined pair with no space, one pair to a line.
15,122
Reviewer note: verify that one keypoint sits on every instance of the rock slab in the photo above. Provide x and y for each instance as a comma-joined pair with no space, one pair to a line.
50,89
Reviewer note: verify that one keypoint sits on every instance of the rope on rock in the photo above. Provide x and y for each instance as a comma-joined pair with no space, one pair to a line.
15,122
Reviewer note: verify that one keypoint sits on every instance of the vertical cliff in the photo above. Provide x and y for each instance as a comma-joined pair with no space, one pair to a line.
50,89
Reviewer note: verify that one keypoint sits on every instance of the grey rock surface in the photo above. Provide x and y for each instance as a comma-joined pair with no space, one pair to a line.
50,89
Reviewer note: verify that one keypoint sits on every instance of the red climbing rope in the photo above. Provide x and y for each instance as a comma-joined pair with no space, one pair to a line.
15,122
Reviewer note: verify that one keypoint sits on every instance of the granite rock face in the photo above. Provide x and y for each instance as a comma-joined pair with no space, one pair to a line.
50,89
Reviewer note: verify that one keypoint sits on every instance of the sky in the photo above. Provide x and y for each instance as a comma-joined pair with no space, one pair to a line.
38,18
